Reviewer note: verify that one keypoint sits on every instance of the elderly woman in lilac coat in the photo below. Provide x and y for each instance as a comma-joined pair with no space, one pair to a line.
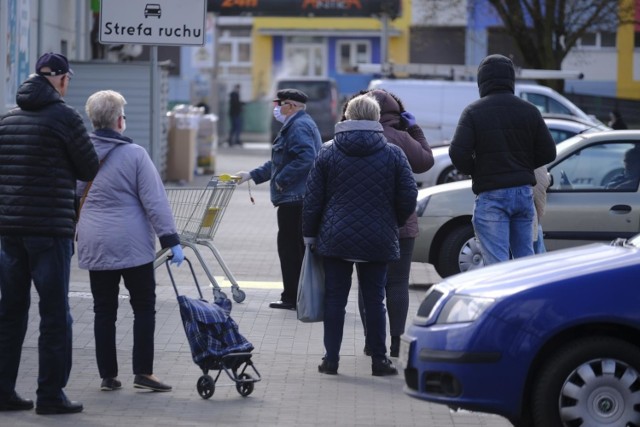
121,213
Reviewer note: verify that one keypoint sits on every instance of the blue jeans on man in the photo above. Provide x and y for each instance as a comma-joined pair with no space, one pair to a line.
503,223
47,262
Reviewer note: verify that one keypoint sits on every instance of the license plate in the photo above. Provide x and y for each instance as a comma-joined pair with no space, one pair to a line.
405,350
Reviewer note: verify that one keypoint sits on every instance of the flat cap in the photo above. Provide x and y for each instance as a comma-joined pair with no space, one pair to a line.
291,94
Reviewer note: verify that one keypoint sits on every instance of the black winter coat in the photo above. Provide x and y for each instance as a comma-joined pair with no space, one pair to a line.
359,191
44,149
500,138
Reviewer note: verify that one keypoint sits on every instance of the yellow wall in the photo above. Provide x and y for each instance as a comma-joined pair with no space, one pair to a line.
627,87
263,46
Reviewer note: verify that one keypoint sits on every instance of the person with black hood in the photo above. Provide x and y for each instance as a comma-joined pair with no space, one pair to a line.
44,149
500,140
399,128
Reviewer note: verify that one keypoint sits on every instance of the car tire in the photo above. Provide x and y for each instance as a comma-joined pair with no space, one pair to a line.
459,252
591,382
451,174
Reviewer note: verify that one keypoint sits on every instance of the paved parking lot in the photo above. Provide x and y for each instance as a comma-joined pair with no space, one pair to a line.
287,352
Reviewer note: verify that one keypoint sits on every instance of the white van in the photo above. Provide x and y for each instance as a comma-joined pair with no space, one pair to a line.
437,104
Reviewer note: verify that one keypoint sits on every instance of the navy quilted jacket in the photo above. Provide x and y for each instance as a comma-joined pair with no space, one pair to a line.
359,191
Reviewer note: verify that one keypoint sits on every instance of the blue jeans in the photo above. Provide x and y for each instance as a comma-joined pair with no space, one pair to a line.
538,245
502,221
105,287
46,261
372,277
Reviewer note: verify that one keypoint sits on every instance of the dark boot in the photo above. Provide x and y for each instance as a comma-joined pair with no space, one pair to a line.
383,367
394,350
329,368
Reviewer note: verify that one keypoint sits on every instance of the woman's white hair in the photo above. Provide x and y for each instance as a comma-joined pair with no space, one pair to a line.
363,107
104,107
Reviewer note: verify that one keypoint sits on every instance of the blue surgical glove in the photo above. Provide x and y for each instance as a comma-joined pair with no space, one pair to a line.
178,255
409,118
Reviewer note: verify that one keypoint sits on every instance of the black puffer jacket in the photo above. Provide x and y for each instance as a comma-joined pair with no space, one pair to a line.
500,138
44,148
358,191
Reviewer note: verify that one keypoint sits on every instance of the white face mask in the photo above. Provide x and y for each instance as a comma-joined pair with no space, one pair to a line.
278,115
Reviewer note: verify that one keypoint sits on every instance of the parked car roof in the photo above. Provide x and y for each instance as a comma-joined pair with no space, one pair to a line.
561,126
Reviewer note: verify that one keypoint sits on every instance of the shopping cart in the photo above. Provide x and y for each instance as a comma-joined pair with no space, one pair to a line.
197,213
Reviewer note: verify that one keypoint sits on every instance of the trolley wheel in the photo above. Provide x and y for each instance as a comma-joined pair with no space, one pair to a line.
206,386
245,384
218,294
238,295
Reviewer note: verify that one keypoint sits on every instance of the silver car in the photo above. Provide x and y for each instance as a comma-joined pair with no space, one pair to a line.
581,208
561,127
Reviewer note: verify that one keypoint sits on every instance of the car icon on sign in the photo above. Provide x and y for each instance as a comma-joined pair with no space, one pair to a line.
152,9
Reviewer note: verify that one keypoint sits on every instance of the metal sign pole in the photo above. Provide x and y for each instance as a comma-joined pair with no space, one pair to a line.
384,42
154,120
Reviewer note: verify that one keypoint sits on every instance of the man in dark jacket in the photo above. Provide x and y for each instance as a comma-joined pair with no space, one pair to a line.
235,116
499,141
292,155
44,148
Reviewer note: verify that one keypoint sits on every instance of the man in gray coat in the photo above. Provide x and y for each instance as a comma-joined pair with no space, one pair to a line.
44,149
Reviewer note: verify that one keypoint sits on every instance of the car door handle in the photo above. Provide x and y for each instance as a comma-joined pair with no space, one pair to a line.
621,208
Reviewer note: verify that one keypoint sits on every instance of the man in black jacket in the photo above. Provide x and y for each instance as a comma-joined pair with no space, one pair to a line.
499,141
235,116
44,149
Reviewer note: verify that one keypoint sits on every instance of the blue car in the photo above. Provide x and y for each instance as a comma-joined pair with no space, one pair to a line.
548,340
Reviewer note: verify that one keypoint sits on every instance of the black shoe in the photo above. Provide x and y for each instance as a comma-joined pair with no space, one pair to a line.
380,368
366,350
64,407
140,381
329,368
394,350
16,403
110,384
283,305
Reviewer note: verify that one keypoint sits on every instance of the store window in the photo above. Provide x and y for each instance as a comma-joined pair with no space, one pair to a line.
234,51
351,53
305,57
602,39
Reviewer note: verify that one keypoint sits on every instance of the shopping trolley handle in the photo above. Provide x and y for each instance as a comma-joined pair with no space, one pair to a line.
225,177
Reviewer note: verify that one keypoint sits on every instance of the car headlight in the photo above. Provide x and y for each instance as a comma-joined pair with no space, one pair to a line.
463,309
422,205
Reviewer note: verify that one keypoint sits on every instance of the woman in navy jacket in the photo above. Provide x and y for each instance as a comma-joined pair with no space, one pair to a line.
359,191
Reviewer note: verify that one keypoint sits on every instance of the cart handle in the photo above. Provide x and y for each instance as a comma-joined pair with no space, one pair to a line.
225,177
193,273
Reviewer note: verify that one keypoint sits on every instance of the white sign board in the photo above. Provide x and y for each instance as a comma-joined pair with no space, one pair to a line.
154,22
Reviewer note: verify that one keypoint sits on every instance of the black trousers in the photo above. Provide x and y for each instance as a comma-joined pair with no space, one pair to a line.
290,249
105,287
